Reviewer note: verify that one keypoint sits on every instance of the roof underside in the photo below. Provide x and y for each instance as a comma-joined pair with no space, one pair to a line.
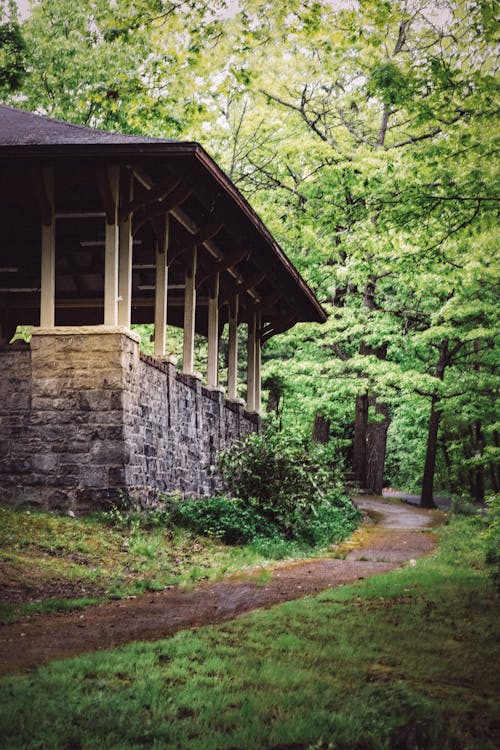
169,177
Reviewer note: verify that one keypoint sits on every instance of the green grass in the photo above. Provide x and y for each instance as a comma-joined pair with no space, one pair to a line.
404,660
61,563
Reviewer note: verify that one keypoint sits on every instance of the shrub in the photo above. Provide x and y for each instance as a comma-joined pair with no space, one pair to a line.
231,520
296,490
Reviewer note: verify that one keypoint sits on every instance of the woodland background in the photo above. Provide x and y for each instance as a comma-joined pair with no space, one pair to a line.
364,134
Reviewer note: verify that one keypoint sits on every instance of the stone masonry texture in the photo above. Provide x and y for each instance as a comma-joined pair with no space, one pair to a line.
86,420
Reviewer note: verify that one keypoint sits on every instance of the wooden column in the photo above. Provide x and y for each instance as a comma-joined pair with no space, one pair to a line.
213,333
189,312
251,361
112,174
232,367
126,255
48,254
161,293
258,365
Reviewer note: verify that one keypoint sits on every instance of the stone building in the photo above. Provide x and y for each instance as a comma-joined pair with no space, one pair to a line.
100,231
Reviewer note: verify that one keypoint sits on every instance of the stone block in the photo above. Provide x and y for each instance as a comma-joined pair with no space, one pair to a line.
45,463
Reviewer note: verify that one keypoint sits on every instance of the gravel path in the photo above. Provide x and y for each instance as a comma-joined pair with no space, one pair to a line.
393,533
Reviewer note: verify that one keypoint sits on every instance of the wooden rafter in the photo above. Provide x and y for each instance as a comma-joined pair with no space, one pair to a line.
202,235
230,261
174,199
269,302
278,326
148,198
246,286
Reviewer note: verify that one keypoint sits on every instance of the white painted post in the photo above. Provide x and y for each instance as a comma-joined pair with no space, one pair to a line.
251,361
48,257
258,365
232,367
213,333
161,295
189,312
126,258
111,254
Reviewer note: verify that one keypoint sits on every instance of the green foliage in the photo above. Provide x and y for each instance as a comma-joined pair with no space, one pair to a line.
365,136
231,520
294,487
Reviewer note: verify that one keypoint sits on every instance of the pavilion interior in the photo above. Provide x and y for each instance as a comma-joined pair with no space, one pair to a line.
199,216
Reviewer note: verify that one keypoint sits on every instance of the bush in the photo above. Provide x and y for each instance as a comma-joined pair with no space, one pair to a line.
231,520
297,491
283,497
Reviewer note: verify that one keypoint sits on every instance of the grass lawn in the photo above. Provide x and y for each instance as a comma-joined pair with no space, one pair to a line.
51,563
405,660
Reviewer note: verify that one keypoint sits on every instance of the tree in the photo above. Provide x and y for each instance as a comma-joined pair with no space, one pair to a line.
364,137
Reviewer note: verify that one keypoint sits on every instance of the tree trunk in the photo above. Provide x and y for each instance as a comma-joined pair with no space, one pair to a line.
321,429
360,440
493,468
427,497
478,493
375,448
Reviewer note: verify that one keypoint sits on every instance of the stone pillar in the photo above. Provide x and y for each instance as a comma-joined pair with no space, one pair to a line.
80,392
161,294
213,334
111,251
251,362
126,256
189,312
232,368
48,255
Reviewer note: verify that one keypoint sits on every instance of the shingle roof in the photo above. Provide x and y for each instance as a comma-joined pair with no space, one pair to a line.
21,128
25,136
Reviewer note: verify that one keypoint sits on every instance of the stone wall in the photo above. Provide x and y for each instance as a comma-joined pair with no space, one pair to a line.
86,420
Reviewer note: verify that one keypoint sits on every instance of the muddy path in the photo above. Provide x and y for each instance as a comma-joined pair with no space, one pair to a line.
393,533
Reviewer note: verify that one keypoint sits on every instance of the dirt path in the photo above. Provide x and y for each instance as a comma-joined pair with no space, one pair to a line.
393,534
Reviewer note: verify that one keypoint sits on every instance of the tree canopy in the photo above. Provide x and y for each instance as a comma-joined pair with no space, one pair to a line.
365,135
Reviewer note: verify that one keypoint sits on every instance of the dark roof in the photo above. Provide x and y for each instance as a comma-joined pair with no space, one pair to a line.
25,136
21,128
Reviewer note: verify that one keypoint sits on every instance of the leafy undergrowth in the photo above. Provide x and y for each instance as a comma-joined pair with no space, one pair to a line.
50,563
404,660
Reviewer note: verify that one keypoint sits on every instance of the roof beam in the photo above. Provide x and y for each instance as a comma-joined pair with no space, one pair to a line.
201,236
174,199
246,286
281,325
142,176
155,194
230,261
269,302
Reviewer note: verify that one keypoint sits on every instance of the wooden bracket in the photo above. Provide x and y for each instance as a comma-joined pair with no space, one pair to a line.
229,261
282,324
202,235
178,196
245,286
42,197
106,191
269,302
153,195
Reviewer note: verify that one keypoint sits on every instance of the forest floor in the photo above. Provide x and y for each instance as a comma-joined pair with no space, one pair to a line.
393,533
